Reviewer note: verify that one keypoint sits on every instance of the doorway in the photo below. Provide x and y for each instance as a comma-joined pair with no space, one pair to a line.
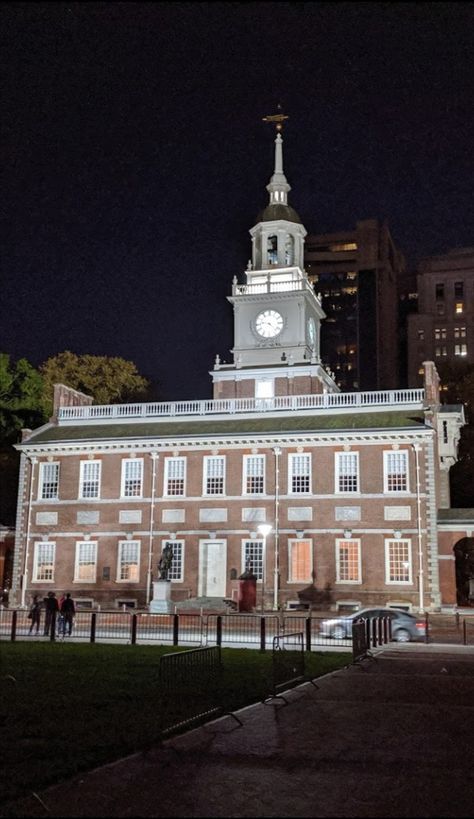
212,568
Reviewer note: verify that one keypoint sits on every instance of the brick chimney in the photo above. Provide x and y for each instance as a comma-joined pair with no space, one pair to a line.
431,384
67,397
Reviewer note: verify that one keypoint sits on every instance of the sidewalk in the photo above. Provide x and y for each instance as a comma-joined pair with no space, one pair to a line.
393,738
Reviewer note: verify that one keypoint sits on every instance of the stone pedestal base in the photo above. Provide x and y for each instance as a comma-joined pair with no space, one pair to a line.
161,603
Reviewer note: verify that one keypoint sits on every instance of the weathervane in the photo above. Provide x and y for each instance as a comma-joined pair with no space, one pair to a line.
278,118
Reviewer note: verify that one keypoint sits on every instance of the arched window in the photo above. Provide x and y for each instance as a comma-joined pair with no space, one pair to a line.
289,250
272,250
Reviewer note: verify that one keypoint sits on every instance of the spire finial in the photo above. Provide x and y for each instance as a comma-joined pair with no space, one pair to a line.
278,119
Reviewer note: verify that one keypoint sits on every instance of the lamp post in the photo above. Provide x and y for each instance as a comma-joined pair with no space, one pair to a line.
264,529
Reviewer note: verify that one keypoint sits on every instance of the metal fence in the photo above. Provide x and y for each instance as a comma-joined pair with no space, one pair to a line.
238,630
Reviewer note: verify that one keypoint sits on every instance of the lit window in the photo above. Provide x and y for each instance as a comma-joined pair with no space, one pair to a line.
252,557
459,307
344,246
214,474
89,480
175,469
440,332
254,474
176,570
398,561
421,335
128,561
348,563
459,332
395,471
86,562
441,351
351,275
299,473
49,481
300,561
347,471
460,349
43,564
132,477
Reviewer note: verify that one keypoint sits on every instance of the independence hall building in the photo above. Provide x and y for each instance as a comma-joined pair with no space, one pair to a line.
280,472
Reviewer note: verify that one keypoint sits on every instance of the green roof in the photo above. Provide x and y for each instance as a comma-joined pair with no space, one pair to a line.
285,423
275,212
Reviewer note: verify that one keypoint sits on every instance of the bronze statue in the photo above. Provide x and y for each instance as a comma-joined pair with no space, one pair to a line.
165,561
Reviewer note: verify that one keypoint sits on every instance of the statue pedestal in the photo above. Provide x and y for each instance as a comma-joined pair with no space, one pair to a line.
161,603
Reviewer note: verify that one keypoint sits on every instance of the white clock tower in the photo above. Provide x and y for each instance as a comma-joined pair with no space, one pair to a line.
276,312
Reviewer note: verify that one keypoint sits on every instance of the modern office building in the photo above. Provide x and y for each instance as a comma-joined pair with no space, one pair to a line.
442,329
280,472
356,273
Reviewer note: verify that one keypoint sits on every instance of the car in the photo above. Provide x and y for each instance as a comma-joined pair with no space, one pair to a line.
405,626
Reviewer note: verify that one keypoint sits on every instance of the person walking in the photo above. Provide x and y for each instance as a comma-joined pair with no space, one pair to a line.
51,607
34,614
68,611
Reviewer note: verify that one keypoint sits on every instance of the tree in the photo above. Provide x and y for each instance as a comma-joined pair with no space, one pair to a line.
108,380
21,398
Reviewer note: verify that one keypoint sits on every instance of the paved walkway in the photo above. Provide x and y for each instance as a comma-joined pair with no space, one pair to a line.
393,738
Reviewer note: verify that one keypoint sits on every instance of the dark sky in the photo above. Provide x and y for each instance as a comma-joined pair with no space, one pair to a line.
135,159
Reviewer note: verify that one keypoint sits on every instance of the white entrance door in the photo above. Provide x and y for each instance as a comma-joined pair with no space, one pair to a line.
213,568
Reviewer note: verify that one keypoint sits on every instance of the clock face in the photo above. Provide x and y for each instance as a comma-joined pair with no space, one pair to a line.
311,331
269,323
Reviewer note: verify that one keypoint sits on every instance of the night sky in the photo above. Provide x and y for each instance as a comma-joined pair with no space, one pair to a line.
135,159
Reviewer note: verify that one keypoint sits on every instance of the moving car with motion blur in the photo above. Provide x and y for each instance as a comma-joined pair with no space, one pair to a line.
405,626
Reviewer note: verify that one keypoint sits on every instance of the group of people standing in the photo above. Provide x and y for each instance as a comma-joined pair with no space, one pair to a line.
58,614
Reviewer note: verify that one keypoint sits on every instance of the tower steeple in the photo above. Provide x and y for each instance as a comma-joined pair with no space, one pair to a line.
278,187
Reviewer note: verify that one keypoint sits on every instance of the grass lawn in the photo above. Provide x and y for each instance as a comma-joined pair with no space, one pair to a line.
67,707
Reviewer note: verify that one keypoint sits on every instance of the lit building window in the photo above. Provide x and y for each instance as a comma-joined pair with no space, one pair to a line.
395,471
299,473
440,332
43,564
460,349
49,481
299,561
89,481
254,474
441,351
252,557
86,562
344,246
347,471
398,561
459,332
351,275
128,561
348,563
175,469
132,477
459,307
421,335
214,474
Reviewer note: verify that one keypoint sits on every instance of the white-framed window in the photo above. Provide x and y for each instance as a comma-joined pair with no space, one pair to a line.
132,478
175,477
48,488
459,332
395,472
176,571
300,560
43,562
299,473
347,471
85,568
348,561
252,557
398,563
460,349
128,568
441,351
89,479
254,475
214,475
440,333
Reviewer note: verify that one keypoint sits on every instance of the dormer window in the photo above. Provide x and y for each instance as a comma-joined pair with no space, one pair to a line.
272,250
289,250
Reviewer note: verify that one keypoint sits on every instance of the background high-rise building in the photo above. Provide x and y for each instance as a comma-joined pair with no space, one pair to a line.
443,328
356,273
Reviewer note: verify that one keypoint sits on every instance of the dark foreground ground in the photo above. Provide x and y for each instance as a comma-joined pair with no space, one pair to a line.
393,738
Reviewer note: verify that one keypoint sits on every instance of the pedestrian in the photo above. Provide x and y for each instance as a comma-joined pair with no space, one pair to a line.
68,611
34,614
52,608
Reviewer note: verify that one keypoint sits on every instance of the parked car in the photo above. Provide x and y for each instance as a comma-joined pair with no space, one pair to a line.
405,627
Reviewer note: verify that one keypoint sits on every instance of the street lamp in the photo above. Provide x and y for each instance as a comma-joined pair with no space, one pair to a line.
264,529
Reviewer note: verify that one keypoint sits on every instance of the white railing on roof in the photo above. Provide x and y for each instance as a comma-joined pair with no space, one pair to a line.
271,286
230,406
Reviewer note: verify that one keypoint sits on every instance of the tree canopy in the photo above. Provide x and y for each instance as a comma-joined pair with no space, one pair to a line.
21,398
108,380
